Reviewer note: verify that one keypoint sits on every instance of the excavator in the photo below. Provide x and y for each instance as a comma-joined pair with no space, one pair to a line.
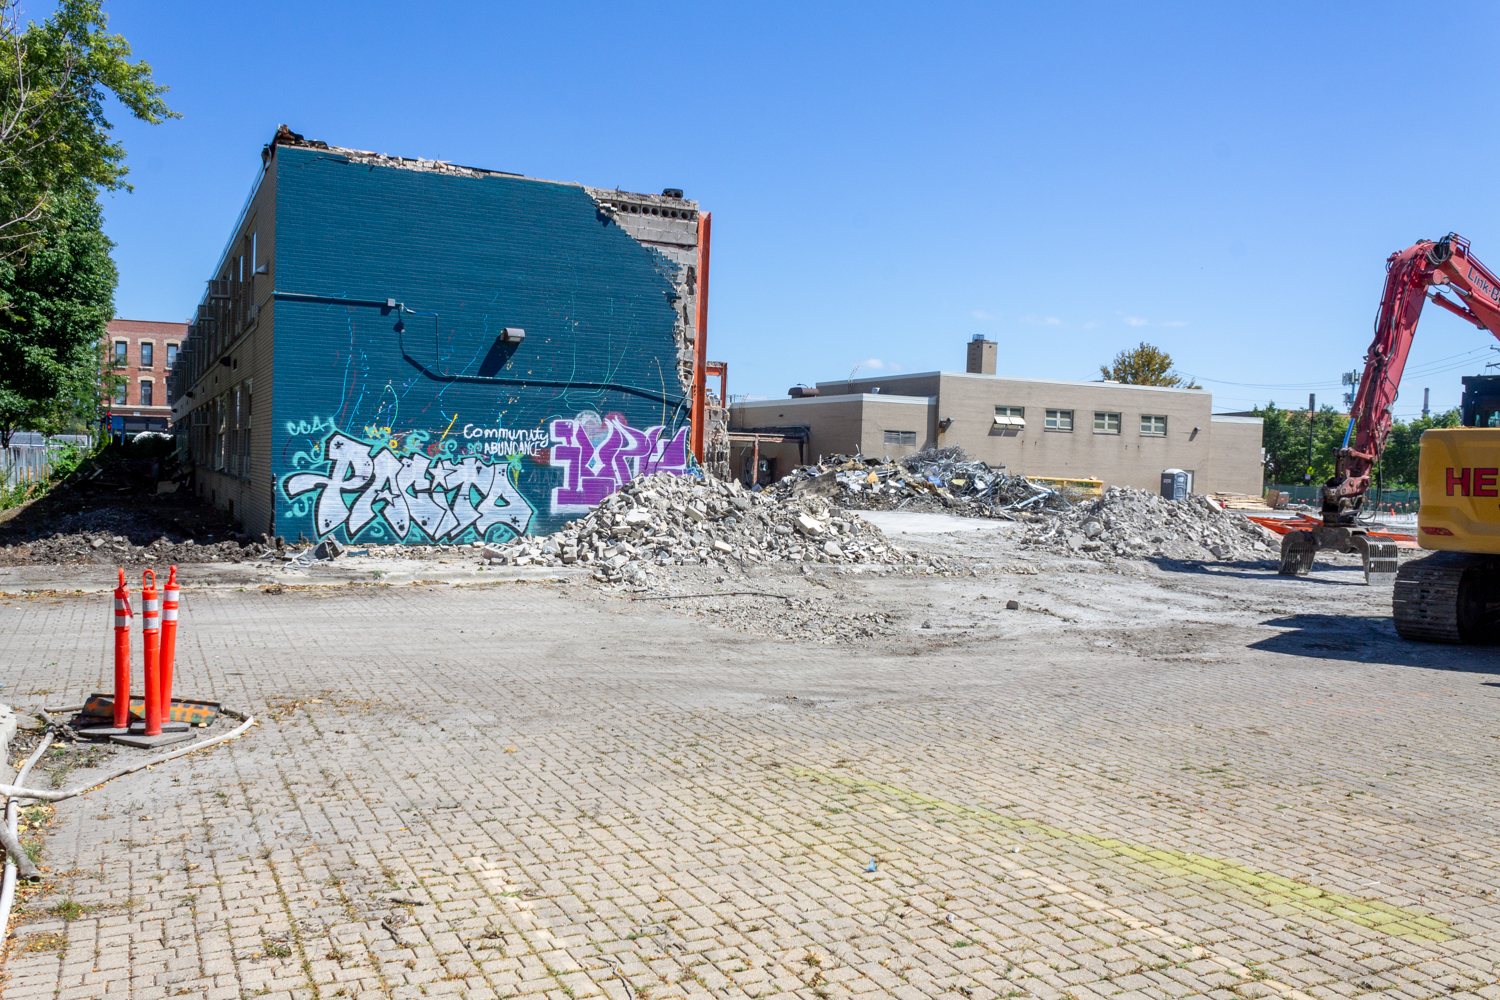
1452,595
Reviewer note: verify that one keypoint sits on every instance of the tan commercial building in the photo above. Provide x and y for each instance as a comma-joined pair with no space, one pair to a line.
1124,435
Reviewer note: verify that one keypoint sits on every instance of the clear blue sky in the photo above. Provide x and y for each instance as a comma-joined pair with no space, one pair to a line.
1222,180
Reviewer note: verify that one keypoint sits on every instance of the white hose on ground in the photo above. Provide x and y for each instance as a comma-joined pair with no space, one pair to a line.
16,793
68,793
12,823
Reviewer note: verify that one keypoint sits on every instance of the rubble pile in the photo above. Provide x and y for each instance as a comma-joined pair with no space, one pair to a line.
937,479
1135,524
662,520
115,537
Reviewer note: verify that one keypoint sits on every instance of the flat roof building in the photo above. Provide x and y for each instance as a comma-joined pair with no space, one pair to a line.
143,351
1124,435
408,350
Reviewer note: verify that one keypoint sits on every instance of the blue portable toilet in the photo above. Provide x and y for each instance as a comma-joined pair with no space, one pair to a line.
1175,484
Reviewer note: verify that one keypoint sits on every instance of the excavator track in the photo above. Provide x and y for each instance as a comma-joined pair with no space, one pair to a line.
1450,597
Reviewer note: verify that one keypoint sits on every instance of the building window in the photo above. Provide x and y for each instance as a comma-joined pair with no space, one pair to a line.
1153,425
122,353
1010,411
145,393
171,355
148,354
122,395
901,439
1106,423
1059,420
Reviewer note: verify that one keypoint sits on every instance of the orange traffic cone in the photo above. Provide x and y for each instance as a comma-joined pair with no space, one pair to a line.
122,654
168,641
151,643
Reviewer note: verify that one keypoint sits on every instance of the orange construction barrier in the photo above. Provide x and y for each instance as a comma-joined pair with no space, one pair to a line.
122,655
151,644
168,640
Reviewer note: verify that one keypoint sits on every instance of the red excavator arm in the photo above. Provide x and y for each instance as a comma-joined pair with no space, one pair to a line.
1410,273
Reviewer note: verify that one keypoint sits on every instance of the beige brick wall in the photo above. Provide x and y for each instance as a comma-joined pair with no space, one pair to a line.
1235,460
1125,457
843,424
251,358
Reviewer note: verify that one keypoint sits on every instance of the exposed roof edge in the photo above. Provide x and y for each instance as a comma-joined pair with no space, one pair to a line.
847,397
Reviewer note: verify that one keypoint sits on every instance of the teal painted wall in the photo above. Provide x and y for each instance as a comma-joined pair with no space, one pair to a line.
438,432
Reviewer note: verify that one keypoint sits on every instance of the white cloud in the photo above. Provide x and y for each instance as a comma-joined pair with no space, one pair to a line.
1175,322
874,363
1042,320
1090,325
1135,321
982,316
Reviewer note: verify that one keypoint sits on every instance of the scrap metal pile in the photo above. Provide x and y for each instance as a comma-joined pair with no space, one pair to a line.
661,521
1134,524
939,480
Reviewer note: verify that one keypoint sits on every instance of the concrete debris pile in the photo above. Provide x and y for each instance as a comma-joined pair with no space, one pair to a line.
1135,524
661,521
937,479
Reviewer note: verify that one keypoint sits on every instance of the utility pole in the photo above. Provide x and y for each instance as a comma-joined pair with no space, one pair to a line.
1425,394
1312,411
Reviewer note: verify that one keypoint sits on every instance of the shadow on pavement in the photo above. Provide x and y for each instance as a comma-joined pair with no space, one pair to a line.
1262,569
1369,639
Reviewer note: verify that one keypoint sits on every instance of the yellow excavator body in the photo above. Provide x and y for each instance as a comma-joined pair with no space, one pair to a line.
1459,478
1453,594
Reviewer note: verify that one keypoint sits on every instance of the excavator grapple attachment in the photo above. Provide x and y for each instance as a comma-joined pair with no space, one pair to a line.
1297,551
1379,557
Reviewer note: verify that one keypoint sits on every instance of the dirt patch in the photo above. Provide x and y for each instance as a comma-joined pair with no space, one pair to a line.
110,513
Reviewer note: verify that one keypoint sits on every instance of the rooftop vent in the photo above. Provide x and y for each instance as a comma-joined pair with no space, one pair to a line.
671,192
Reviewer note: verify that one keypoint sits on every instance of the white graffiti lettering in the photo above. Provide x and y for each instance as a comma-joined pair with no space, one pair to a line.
443,499
504,441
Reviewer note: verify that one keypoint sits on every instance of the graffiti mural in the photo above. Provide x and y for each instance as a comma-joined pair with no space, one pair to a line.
598,455
418,496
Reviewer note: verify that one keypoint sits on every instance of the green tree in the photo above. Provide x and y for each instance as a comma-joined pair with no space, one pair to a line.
1284,437
58,299
1145,365
1398,465
54,80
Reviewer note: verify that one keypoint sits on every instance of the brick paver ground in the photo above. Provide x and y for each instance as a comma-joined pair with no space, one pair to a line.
533,789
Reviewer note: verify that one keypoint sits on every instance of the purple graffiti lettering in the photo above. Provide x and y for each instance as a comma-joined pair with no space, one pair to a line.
590,474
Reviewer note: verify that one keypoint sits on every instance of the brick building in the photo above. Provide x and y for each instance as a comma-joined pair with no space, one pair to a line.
143,351
406,350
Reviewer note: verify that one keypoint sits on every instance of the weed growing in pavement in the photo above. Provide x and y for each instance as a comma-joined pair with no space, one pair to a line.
44,942
70,910
62,761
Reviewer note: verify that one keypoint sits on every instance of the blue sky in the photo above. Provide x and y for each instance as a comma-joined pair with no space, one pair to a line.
1222,180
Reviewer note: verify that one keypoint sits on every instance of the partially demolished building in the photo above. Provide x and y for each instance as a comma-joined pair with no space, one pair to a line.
406,350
